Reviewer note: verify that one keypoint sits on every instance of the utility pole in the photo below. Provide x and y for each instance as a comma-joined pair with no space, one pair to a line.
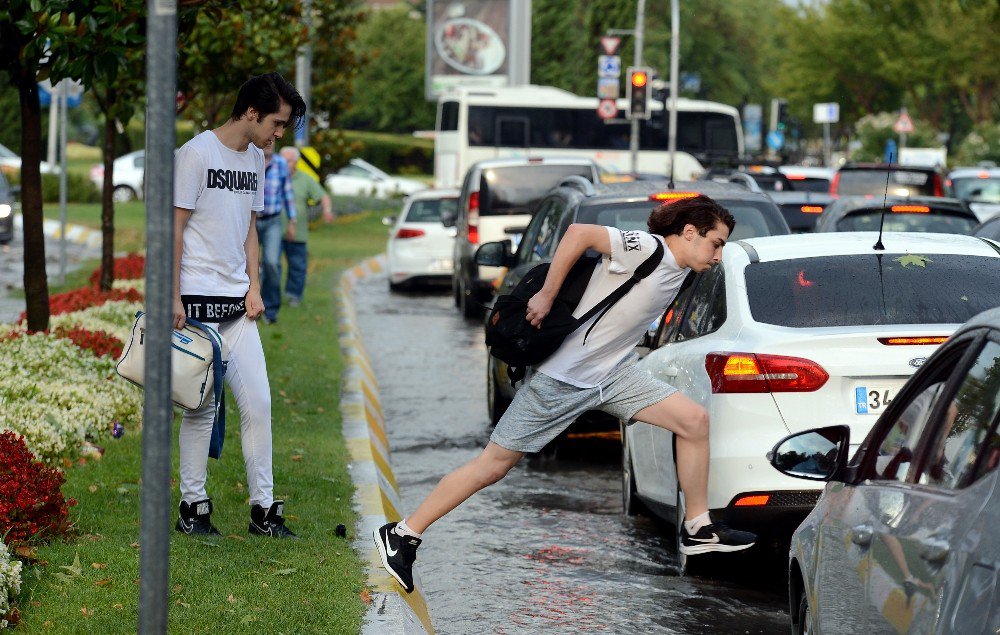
640,25
303,75
675,55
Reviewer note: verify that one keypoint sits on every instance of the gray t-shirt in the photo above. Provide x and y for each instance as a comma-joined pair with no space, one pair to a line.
618,332
221,187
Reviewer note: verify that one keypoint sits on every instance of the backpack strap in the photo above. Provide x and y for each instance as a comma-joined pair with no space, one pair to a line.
642,271
218,373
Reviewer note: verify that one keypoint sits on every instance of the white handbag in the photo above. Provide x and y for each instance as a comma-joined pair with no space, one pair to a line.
198,360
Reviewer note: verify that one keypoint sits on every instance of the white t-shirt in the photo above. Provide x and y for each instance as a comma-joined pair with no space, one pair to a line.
221,187
618,332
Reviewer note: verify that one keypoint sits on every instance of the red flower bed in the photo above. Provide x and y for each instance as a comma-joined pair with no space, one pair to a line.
32,507
130,267
86,297
100,343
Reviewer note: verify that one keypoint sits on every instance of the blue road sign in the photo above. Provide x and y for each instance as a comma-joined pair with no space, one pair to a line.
775,139
609,66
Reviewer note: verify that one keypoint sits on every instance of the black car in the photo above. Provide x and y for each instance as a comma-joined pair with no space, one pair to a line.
801,209
625,206
910,214
6,211
990,229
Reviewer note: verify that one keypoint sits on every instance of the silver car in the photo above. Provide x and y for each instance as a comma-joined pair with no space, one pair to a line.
904,538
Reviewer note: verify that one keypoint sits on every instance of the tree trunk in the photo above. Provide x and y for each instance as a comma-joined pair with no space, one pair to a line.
36,287
108,206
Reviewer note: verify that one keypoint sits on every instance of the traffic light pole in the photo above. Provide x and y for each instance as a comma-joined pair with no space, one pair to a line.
675,47
640,21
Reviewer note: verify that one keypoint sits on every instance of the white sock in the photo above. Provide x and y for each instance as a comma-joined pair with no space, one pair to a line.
697,523
402,530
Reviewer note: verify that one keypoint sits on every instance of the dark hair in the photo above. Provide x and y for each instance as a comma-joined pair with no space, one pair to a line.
701,211
265,94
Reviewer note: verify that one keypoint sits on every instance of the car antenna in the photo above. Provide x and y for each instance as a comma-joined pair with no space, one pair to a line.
878,245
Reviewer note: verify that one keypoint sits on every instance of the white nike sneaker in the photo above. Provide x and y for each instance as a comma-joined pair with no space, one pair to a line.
715,537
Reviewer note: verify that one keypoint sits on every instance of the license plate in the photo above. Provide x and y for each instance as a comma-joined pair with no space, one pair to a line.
872,400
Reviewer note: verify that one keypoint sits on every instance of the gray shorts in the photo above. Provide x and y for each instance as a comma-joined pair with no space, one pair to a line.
544,407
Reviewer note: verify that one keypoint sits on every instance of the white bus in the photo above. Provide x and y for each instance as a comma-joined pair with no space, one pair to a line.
485,123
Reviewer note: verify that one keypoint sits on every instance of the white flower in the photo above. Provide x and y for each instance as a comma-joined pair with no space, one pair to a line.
10,581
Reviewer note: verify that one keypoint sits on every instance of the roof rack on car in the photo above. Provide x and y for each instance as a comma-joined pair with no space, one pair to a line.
580,183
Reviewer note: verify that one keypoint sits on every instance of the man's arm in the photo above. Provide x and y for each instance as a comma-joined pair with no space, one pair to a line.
327,206
181,218
289,196
254,304
577,240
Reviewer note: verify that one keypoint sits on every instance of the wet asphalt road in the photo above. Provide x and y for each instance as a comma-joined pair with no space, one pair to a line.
548,549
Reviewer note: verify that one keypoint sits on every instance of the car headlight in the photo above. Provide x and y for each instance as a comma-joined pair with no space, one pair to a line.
4,210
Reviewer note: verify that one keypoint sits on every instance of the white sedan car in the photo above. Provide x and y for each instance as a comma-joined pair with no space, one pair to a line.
790,332
129,172
420,246
360,178
11,162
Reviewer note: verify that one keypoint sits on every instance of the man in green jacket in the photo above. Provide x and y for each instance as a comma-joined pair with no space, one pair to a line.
308,193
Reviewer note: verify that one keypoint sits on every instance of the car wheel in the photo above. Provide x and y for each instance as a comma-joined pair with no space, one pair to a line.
496,403
805,624
631,504
123,194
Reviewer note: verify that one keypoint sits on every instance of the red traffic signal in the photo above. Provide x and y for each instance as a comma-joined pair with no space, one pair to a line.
637,93
639,79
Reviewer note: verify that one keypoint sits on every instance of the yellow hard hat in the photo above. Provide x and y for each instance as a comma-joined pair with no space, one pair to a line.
309,162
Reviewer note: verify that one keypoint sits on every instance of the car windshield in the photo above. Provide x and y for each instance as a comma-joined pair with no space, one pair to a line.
940,222
752,219
978,190
809,184
429,210
872,289
901,182
518,189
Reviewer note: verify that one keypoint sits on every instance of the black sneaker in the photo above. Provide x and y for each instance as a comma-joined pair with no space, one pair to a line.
270,523
196,519
715,537
398,553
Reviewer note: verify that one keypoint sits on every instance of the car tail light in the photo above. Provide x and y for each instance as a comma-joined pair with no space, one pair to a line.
938,187
910,209
911,341
406,232
834,183
757,372
983,175
670,197
755,500
473,218
812,209
796,177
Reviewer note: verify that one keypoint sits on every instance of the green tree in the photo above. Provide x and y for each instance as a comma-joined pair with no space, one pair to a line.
557,50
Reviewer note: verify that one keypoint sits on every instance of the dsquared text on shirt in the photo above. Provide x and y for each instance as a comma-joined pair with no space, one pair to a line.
232,180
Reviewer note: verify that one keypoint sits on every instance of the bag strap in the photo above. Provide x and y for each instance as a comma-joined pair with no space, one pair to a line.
218,373
642,271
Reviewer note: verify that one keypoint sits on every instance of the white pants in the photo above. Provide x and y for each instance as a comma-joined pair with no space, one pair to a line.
247,378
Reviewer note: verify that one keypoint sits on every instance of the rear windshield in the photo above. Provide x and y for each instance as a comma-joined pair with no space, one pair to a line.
429,210
940,222
752,219
872,289
977,190
518,189
901,182
810,184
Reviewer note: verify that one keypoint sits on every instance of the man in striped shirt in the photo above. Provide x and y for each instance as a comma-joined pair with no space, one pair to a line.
279,197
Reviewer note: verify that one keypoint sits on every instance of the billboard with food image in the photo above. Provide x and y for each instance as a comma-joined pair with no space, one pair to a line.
468,44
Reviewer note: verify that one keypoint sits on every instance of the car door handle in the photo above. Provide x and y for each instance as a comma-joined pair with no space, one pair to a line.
861,535
934,550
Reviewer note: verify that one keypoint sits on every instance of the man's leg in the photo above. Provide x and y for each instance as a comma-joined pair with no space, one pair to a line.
689,423
295,285
490,466
269,236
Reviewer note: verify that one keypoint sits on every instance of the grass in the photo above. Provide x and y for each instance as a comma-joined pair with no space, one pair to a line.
232,584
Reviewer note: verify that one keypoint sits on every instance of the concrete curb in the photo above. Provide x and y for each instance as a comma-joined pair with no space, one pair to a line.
392,611
74,233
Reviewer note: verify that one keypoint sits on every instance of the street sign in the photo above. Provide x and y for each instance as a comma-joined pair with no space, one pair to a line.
74,91
606,109
607,88
775,140
753,114
826,113
609,66
610,44
903,125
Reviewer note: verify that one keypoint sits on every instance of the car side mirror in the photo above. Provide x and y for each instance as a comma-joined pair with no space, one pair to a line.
448,218
497,254
814,455
388,221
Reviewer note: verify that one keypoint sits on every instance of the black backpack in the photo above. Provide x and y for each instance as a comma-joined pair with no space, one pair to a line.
511,337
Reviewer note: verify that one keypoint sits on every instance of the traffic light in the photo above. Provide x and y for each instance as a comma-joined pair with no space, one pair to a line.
637,92
783,119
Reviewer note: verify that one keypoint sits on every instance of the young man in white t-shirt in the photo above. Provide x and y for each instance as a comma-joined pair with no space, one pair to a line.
218,189
597,372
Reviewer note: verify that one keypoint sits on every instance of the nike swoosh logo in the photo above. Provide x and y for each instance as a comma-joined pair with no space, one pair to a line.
389,551
186,527
714,539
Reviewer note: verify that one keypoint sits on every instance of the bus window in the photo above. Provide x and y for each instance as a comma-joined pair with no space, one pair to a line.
449,116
